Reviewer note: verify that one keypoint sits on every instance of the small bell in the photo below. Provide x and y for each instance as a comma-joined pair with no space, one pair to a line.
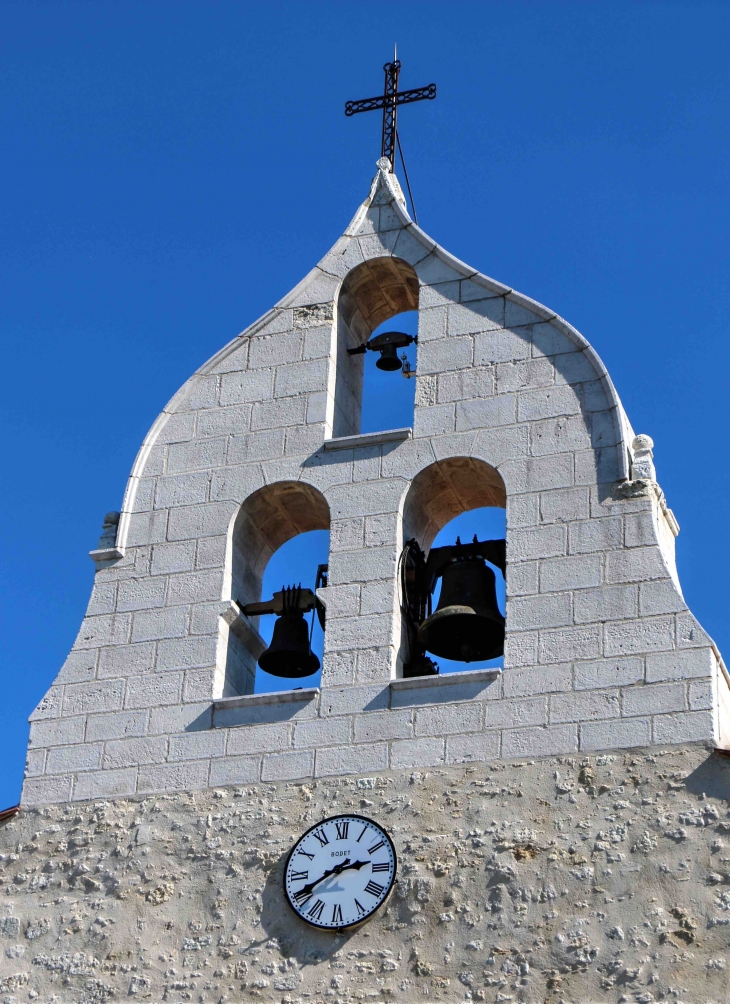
389,360
289,654
467,625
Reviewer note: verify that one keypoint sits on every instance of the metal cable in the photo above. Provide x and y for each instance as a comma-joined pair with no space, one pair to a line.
405,172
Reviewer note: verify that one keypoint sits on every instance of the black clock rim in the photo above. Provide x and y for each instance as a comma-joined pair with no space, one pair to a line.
329,819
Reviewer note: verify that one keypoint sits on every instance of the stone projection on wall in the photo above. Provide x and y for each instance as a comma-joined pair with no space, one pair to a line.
559,822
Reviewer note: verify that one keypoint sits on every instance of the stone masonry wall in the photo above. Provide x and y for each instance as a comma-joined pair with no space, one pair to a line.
568,880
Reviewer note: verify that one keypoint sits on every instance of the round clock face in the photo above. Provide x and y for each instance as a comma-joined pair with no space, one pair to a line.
340,871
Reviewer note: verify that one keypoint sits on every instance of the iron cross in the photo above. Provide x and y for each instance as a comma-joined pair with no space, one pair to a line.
389,102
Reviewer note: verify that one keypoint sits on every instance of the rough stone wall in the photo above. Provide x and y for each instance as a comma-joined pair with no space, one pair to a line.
567,880
594,615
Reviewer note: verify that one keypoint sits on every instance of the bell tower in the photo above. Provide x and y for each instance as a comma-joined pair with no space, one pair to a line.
513,409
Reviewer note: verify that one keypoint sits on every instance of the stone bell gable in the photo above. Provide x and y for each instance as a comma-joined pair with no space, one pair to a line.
513,408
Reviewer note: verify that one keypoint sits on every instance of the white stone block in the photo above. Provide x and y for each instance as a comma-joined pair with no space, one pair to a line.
146,528
49,705
224,421
381,530
622,734
300,378
439,420
208,520
116,725
509,714
573,367
485,314
153,691
431,324
606,603
103,596
653,699
182,489
548,402
500,346
608,673
186,653
105,784
35,763
650,634
690,633
498,446
342,760
185,776
524,374
264,714
476,748
57,732
485,413
544,741
577,643
582,572
235,770
133,752
682,665
522,578
526,681
248,448
659,598
197,745
638,564
86,698
370,499
586,705
194,587
701,696
564,505
353,700
45,790
547,340
640,529
288,766
534,474
79,667
126,660
348,633
540,542
408,753
377,597
240,387
464,385
549,610
201,393
179,557
259,739
305,440
366,463
520,649
67,759
108,629
694,726
285,411
523,510
323,732
210,553
375,665
179,718
169,622
141,594
564,434
196,455
177,428
449,719
595,535
274,349
383,725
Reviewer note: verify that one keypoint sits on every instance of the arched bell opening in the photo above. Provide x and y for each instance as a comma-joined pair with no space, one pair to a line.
452,568
279,542
377,324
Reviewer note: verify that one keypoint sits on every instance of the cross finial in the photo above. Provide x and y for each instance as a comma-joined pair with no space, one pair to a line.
389,102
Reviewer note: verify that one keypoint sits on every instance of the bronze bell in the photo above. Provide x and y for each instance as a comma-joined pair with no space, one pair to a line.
389,360
289,654
467,625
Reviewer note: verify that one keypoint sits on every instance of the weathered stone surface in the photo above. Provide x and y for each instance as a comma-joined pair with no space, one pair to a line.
575,879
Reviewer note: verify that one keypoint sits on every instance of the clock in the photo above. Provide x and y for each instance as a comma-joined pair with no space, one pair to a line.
339,872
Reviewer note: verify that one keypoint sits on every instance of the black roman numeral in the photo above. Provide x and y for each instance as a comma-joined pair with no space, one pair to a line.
361,833
360,908
315,912
304,875
376,847
322,837
302,896
342,829
374,889
337,914
310,856
383,867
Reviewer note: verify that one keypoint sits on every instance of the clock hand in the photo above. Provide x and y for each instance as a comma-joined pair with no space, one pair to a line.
338,869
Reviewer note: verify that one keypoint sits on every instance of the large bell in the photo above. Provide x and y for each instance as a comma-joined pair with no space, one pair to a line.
467,625
289,653
389,360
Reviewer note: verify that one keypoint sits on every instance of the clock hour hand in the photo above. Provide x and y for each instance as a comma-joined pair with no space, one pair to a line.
341,867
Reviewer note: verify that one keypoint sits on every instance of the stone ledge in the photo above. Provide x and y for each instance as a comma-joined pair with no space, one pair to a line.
467,676
105,556
368,439
301,695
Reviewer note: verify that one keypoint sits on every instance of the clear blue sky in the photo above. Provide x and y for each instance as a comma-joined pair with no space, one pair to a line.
171,169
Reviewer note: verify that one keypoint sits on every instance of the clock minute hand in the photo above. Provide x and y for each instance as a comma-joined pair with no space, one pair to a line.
337,870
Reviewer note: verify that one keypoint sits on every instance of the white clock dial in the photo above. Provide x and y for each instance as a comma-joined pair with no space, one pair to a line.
340,871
